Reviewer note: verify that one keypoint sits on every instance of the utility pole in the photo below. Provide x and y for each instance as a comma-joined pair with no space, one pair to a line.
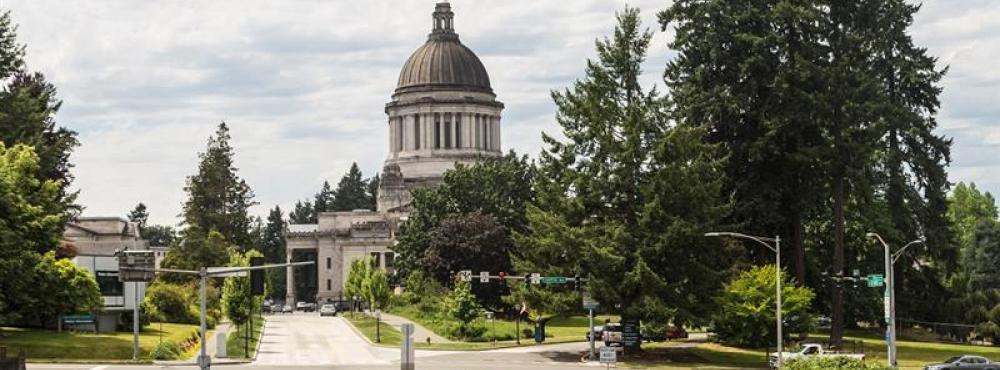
135,322
890,295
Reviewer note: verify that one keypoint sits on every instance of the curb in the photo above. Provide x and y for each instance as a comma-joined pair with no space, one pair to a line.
260,338
360,334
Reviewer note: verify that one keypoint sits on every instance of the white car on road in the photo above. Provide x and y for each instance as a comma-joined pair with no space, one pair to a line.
810,351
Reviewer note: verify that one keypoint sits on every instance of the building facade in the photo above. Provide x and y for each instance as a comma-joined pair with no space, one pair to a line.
443,112
97,240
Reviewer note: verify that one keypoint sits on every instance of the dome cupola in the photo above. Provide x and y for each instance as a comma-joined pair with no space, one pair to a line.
443,63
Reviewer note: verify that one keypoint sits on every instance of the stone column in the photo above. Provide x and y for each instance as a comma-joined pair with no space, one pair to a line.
496,126
289,279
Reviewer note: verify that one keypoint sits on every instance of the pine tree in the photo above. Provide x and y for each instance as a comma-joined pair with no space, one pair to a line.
373,184
273,247
11,53
324,200
217,198
139,215
352,191
627,197
303,213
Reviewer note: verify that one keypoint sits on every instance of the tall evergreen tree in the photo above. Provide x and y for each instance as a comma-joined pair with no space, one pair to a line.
218,199
352,191
273,247
303,213
139,215
373,184
28,105
324,200
633,193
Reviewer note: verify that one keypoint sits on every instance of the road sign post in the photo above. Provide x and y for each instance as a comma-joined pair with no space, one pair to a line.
609,356
590,305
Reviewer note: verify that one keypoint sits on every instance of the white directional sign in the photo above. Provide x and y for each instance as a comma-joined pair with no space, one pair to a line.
536,278
465,275
608,355
484,276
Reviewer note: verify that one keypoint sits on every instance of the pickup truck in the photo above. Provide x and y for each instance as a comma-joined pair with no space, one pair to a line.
612,334
808,351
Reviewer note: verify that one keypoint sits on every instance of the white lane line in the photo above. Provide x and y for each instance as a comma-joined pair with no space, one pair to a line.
102,367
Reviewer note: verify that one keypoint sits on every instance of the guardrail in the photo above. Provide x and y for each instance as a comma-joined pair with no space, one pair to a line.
11,363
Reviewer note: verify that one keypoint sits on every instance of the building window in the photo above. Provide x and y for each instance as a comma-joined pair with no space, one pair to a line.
328,285
458,130
416,134
437,134
389,259
375,259
447,132
107,282
328,263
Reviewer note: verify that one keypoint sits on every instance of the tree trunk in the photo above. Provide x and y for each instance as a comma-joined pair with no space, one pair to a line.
837,301
799,248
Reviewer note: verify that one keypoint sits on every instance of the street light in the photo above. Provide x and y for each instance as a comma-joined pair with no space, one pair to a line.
890,294
776,248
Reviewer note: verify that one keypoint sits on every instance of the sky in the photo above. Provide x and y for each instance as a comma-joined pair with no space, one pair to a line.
303,83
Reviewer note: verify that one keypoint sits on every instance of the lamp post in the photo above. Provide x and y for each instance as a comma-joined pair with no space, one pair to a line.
890,294
776,248
378,326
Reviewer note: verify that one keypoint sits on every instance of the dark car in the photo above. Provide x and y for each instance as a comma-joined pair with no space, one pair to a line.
965,363
676,332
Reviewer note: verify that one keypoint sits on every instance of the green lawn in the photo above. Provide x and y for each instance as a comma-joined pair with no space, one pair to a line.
557,330
388,335
236,340
49,345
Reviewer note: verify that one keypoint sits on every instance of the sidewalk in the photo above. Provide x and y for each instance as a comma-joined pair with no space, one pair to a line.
222,327
420,333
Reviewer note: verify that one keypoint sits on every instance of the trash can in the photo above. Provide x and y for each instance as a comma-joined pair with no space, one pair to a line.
539,333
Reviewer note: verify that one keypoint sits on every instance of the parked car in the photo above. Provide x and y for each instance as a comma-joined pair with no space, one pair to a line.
965,362
287,309
676,332
812,350
598,332
305,306
612,334
328,309
266,307
823,322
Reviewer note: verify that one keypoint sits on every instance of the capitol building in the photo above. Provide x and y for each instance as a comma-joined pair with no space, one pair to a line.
442,112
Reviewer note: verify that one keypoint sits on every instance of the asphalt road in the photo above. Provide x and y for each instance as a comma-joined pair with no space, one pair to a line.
307,341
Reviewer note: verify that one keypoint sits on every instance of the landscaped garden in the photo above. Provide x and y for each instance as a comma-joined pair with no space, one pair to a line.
50,345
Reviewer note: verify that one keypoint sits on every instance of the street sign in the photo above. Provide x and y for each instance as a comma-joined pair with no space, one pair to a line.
465,275
875,280
484,276
630,334
554,280
136,266
609,355
536,278
589,303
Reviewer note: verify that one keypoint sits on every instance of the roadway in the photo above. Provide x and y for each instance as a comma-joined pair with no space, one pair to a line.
302,341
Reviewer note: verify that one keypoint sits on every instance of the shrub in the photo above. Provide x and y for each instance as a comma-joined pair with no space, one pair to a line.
832,363
745,315
167,350
170,302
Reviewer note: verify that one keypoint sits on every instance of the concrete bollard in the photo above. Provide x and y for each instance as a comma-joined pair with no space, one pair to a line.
220,345
406,353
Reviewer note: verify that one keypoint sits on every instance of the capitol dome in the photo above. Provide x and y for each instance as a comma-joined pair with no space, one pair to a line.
443,63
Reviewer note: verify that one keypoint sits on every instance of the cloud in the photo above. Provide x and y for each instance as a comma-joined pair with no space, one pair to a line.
303,83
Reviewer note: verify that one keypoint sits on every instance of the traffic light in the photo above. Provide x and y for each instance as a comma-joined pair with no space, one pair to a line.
503,276
257,276
576,282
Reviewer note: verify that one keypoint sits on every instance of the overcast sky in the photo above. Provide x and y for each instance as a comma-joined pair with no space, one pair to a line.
303,83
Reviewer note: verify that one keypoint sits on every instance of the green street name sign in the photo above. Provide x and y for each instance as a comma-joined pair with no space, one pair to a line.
554,280
875,280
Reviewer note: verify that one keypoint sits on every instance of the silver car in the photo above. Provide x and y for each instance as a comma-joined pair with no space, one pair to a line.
328,309
965,363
